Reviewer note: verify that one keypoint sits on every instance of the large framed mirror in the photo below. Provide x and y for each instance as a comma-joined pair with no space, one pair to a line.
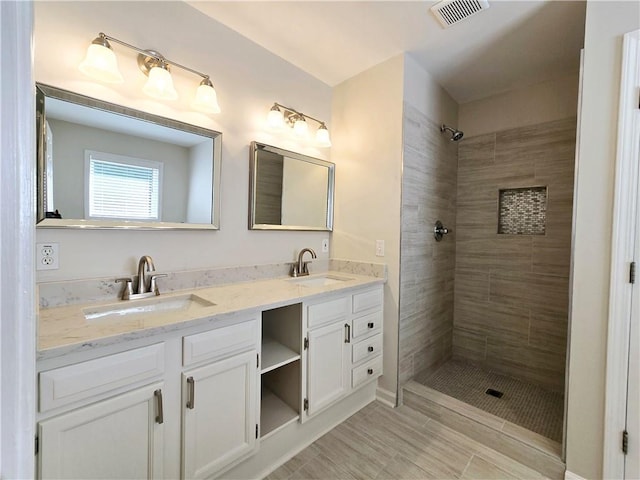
101,165
289,191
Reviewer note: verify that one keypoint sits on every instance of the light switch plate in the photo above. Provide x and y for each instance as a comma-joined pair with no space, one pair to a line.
379,248
325,245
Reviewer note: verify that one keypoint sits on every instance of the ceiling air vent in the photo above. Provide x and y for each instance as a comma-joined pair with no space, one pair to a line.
450,12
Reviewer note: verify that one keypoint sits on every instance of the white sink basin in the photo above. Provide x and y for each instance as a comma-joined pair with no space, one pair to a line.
319,280
147,306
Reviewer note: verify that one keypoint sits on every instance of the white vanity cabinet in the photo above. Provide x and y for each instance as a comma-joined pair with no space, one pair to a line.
327,345
366,351
111,427
219,397
219,414
115,438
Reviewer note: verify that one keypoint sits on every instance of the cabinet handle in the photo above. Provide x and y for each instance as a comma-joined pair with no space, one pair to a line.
160,415
370,371
370,349
347,333
191,394
370,324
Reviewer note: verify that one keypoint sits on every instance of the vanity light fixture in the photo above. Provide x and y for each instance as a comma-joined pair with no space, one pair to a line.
280,115
101,64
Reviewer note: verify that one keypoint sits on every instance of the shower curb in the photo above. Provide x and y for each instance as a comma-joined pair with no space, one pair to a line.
528,448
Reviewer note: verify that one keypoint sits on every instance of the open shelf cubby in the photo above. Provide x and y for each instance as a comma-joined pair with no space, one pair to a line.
280,368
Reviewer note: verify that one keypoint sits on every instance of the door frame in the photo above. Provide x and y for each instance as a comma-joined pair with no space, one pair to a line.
624,236
17,236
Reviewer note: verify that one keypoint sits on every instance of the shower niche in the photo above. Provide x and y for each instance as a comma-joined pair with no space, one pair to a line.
522,211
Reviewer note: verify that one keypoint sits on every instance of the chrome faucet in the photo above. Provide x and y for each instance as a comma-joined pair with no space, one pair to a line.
301,268
146,287
142,278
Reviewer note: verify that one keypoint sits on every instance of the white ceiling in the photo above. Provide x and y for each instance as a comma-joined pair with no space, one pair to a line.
513,43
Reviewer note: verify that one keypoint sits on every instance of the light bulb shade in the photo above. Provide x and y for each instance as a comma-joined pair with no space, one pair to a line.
275,118
322,136
206,98
160,84
101,64
300,128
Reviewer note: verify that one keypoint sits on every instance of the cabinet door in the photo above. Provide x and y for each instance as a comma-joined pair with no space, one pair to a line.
116,438
219,423
327,365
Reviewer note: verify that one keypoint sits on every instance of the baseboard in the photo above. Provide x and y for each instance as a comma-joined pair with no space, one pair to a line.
386,397
572,476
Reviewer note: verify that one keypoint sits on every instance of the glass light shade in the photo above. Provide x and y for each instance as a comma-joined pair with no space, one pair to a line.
160,85
275,118
101,64
322,137
206,99
300,128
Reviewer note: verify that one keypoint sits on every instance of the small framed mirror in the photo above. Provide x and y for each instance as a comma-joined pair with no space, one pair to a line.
101,165
289,191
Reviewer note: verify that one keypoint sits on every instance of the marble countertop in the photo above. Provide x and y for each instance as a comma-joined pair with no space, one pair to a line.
64,329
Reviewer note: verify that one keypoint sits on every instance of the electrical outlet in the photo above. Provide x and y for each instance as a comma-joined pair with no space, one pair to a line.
379,248
47,256
325,245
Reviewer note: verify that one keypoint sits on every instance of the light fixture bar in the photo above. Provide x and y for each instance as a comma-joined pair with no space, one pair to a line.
293,110
280,113
155,55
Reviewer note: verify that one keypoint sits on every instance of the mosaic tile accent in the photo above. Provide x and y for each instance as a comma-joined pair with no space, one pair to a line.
523,211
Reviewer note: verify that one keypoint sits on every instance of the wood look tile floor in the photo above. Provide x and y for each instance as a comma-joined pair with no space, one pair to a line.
379,442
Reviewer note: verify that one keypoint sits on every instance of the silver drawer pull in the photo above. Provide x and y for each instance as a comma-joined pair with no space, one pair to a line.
191,394
370,371
370,349
160,415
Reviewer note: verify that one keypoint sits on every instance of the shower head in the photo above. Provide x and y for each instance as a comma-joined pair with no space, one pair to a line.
455,134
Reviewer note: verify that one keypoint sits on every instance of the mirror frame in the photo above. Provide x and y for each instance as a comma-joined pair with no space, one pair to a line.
46,91
253,170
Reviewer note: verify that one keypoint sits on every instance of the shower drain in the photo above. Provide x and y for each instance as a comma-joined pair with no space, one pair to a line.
494,393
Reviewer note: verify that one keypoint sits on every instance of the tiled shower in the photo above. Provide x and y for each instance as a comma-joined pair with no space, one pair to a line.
493,294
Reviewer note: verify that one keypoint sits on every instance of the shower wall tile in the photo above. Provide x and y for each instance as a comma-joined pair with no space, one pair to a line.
507,323
479,151
512,291
527,363
426,267
469,345
548,330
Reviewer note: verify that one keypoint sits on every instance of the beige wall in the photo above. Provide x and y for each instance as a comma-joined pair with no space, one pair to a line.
428,194
248,80
367,143
512,291
606,22
530,105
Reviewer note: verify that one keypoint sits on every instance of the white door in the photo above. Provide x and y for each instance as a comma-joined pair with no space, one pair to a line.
219,414
632,459
327,366
116,438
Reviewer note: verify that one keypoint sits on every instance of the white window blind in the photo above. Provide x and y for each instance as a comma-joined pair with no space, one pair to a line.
122,187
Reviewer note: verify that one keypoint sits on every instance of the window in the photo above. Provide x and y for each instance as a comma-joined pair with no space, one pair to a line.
119,187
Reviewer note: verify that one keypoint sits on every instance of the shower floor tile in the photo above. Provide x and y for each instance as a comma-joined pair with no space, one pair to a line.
529,406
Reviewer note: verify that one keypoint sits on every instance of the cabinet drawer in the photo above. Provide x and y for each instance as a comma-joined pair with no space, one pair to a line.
367,300
220,342
327,312
370,370
66,385
367,324
368,348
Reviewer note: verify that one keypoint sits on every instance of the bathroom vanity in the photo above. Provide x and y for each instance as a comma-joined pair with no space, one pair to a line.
203,383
